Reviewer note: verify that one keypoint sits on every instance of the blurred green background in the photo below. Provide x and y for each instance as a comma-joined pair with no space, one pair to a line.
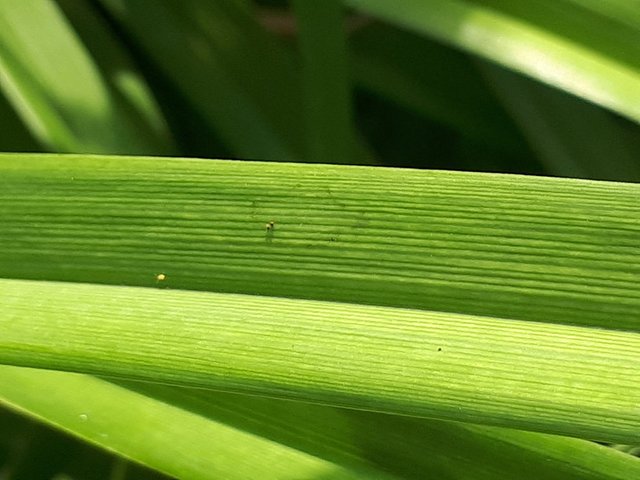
384,83
548,87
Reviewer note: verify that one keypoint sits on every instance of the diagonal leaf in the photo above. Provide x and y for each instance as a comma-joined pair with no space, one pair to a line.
573,138
363,441
238,77
119,70
622,11
433,80
559,43
14,136
40,60
200,448
35,450
398,444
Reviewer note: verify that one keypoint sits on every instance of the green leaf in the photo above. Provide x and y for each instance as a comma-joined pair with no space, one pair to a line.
397,444
188,201
553,250
361,441
145,429
573,138
559,43
242,82
621,11
510,248
119,70
14,136
41,60
433,80
509,373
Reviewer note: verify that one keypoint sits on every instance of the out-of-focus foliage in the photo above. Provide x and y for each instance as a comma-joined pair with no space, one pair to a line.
547,87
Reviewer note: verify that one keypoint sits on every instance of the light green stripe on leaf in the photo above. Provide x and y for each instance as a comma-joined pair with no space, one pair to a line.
554,378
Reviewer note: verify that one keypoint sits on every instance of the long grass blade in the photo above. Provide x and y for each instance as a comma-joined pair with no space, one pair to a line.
119,69
361,441
40,59
552,250
559,43
397,444
326,80
233,73
431,79
144,430
573,138
559,379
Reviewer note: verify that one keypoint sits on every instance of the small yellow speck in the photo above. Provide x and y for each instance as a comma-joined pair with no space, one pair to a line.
269,226
160,277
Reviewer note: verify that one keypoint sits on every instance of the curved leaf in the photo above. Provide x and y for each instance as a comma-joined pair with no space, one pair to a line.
40,60
144,429
558,43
